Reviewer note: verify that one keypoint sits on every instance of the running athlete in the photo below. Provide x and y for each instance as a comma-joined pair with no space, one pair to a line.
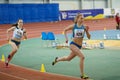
78,29
18,33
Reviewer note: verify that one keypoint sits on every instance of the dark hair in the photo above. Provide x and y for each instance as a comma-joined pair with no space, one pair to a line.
16,24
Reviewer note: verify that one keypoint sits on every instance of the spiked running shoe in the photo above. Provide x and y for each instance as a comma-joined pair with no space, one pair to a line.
84,77
6,64
55,61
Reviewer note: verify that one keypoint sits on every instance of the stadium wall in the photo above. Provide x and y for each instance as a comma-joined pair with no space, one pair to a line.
10,13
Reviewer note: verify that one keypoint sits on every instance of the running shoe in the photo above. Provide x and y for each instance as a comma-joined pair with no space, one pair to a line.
84,77
55,61
6,64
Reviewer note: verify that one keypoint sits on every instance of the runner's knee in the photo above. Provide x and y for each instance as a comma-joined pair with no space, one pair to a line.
15,50
82,57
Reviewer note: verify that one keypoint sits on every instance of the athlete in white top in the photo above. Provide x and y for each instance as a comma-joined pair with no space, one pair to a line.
18,33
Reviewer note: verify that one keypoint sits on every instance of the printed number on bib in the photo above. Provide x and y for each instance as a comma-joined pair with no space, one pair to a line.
79,33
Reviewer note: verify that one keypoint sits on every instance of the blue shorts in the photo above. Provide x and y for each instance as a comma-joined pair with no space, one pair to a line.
16,42
76,45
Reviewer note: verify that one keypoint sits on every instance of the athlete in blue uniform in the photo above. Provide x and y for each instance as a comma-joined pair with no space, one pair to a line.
18,33
78,29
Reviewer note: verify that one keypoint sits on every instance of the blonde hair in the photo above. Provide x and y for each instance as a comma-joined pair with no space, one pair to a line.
77,16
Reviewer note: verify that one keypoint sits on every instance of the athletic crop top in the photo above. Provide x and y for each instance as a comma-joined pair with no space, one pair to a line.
18,33
78,32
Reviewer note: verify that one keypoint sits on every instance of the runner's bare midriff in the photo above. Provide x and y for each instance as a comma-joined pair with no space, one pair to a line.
78,41
16,39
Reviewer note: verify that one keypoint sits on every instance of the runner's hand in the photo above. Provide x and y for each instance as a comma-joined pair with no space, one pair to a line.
87,28
66,41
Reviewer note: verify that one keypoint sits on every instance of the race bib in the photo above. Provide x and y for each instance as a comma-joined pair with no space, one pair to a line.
18,33
79,33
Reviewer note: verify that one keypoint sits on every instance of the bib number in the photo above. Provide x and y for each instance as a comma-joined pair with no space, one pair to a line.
79,33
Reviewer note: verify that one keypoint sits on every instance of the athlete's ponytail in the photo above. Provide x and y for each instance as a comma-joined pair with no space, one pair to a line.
16,24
